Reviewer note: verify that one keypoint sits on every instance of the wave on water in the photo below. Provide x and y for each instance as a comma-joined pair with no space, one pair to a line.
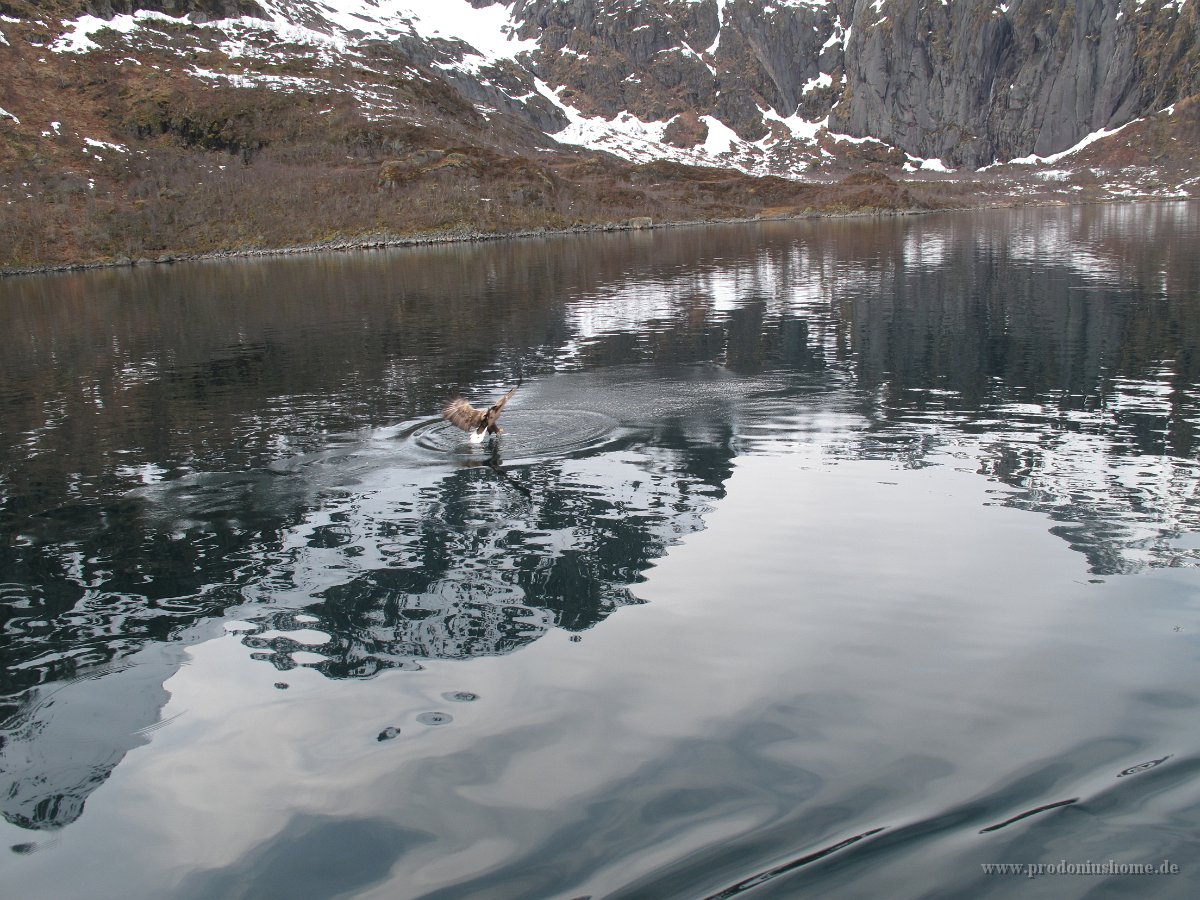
528,436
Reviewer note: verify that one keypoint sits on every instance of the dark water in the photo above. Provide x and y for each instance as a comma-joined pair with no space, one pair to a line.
830,559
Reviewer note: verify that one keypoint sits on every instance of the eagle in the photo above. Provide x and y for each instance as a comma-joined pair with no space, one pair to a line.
478,422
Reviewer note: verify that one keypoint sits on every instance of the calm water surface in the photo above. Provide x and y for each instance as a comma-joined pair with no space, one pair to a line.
820,559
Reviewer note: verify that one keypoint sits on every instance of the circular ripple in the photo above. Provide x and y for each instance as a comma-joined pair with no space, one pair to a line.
1142,767
435,718
528,436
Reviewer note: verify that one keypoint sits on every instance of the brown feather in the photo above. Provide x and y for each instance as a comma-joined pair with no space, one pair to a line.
494,412
462,414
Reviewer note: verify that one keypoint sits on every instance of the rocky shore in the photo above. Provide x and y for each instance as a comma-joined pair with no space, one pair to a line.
390,241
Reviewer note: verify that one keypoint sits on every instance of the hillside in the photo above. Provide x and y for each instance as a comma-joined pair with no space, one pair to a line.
145,128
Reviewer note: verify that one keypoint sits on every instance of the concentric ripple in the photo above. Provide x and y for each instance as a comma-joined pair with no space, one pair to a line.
529,436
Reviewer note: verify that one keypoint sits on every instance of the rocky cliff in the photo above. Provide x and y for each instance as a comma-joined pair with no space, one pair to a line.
755,83
115,114
970,82
976,81
198,10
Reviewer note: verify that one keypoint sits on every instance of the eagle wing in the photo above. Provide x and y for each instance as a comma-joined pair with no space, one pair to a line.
499,404
462,414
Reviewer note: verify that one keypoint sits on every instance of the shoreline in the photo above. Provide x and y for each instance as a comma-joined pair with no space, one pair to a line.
456,236
464,236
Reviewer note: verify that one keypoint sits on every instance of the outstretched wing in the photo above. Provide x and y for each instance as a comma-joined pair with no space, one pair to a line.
461,413
499,404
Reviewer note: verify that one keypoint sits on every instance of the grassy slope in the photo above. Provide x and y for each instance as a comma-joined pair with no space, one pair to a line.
209,167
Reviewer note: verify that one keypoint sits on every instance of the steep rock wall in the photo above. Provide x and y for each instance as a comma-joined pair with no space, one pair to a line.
975,81
200,10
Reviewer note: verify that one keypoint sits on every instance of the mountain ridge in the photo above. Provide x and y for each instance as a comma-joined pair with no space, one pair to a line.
926,76
423,91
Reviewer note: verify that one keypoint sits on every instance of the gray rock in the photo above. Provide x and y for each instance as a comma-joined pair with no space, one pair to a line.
970,83
197,10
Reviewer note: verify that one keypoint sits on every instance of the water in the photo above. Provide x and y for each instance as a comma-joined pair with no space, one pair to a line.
839,558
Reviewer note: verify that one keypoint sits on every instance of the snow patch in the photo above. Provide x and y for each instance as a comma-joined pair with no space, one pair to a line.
839,35
258,79
630,138
625,134
800,129
103,145
721,137
1176,4
847,139
5,114
720,25
916,164
1033,160
823,80
489,32
683,49
78,36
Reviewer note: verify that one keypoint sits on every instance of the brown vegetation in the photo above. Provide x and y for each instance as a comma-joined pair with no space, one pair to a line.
222,168
195,164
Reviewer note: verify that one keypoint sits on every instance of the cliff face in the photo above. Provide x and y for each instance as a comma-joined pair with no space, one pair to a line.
656,60
198,10
753,83
969,81
975,81
133,128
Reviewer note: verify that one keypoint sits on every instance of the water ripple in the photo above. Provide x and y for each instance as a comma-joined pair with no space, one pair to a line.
528,436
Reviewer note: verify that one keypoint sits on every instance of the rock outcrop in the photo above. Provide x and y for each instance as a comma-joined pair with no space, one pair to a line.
970,81
658,60
750,83
977,81
198,10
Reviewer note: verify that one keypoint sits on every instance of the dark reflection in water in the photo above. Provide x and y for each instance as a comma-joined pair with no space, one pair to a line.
259,441
315,855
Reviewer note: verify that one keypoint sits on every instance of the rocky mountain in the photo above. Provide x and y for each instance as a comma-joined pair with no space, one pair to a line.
976,82
811,90
968,82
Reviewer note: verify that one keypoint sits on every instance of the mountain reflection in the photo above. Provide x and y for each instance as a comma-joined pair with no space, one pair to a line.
1077,381
483,561
173,452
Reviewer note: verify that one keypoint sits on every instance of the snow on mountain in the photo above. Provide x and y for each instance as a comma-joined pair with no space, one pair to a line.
488,31
762,86
461,41
630,138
